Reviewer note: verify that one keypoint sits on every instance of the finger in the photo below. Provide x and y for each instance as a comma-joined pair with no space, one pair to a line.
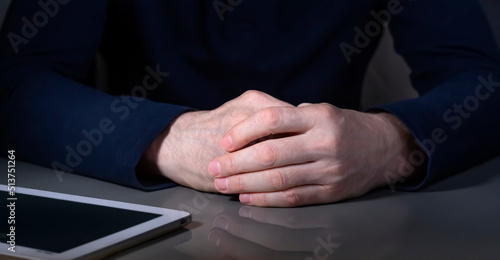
304,104
268,180
262,156
260,100
296,196
270,120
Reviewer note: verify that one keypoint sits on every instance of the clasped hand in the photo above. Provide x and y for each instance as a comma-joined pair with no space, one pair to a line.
328,154
278,155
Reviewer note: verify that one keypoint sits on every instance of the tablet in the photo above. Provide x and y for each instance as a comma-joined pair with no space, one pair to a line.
39,224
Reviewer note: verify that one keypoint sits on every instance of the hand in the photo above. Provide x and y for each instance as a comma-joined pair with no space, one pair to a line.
184,149
330,154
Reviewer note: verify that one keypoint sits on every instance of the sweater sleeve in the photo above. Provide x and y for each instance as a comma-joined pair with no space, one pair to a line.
455,66
51,117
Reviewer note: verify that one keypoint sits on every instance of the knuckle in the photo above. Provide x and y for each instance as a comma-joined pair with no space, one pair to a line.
328,111
333,189
336,182
237,184
277,180
268,154
229,164
270,117
291,198
263,199
329,137
252,94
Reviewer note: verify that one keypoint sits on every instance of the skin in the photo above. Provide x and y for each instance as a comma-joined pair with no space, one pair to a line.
277,155
184,149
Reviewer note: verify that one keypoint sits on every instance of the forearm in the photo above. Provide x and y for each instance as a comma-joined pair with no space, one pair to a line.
455,67
54,120
452,122
58,123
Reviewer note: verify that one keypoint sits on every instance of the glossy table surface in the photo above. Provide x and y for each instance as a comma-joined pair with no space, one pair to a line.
457,218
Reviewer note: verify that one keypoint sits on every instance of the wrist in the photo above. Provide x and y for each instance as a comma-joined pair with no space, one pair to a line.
406,160
153,160
148,165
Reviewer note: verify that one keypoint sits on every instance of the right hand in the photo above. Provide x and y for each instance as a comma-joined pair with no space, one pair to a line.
184,149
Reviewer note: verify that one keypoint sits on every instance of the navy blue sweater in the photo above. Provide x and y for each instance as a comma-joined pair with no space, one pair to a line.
198,54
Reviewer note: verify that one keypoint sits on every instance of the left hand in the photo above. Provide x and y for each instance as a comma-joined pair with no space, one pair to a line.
327,154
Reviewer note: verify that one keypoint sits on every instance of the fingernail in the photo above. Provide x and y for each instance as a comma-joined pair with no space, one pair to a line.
214,237
227,142
221,222
245,212
221,184
214,168
246,198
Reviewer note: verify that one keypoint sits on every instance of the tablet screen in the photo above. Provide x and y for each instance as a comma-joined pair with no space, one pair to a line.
58,225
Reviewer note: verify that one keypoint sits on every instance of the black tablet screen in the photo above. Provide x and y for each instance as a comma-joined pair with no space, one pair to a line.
58,225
